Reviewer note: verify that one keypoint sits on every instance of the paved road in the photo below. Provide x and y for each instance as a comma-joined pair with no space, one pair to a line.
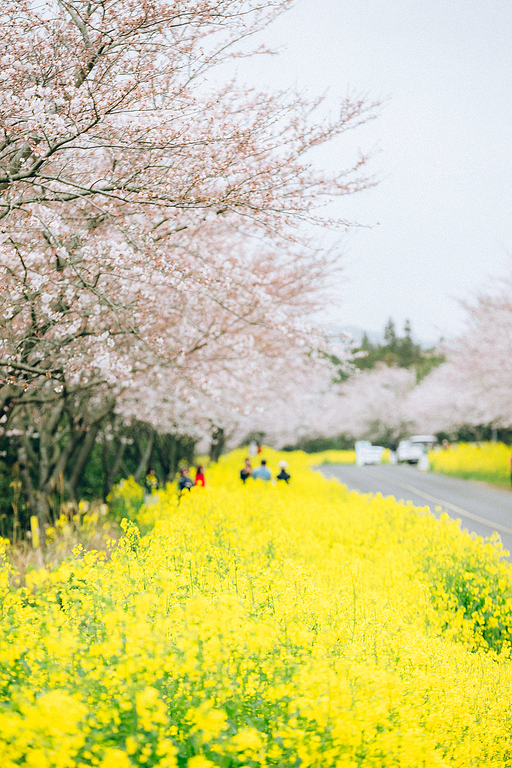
481,508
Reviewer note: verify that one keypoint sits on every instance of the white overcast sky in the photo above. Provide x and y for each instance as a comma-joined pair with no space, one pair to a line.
442,215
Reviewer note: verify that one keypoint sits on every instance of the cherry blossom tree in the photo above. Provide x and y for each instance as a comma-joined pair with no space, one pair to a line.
149,223
302,403
443,401
113,147
371,404
374,403
473,387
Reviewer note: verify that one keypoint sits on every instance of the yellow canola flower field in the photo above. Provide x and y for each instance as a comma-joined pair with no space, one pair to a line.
263,625
332,457
475,461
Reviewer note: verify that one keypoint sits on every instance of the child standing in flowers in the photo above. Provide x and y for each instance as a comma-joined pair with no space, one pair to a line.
151,480
200,478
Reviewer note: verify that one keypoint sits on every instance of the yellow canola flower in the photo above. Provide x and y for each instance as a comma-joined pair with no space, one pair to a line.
199,761
115,758
332,457
56,712
209,721
151,711
248,740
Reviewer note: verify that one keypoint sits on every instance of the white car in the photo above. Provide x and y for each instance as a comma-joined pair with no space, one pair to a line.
366,453
414,448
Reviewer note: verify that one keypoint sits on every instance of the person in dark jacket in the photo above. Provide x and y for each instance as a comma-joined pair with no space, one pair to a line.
283,474
184,480
246,471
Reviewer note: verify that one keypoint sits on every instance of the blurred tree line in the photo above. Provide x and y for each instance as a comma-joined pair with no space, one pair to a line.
394,350
93,467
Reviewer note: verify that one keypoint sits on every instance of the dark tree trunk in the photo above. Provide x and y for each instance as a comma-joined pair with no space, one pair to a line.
185,448
27,485
166,449
217,444
145,456
81,459
110,471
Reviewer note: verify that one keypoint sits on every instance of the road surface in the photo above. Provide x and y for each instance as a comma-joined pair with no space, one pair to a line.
481,508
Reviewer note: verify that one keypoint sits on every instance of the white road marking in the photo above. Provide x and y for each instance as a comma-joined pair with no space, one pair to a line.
447,505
